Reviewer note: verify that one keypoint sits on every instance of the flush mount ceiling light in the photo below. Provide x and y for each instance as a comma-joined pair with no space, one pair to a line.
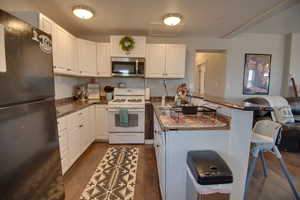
83,12
172,19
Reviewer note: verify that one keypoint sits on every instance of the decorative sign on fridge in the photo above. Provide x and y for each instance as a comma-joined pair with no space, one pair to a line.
44,41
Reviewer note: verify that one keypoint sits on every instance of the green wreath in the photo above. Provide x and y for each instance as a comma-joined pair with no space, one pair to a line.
127,43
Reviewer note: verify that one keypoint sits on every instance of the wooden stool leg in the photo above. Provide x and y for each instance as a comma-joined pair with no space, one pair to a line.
264,164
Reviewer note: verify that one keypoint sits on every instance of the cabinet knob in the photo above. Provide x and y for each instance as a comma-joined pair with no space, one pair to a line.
80,126
68,69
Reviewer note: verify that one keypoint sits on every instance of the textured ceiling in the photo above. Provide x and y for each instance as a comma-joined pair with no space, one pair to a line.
287,21
208,18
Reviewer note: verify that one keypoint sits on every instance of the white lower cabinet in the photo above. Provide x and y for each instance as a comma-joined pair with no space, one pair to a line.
160,153
74,145
76,133
101,123
63,144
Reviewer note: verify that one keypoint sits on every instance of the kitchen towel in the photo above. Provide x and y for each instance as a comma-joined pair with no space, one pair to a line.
123,113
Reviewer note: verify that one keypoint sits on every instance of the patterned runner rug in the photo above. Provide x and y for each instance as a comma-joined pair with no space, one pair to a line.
115,176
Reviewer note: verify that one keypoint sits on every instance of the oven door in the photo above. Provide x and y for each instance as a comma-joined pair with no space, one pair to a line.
136,121
128,67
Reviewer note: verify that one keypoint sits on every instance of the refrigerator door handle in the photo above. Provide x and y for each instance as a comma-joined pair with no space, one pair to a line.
2,49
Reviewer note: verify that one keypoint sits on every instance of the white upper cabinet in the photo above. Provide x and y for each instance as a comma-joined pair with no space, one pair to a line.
73,55
155,60
165,61
175,60
61,53
2,49
103,60
87,57
46,24
57,45
138,51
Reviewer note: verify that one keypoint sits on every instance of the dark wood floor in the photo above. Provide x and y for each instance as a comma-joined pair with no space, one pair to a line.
275,187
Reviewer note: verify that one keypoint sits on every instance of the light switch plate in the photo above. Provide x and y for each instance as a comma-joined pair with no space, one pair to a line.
2,49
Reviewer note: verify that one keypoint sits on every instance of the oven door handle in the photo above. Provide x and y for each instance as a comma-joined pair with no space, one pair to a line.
129,110
137,66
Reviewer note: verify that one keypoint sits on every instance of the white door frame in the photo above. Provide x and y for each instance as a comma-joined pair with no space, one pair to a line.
201,68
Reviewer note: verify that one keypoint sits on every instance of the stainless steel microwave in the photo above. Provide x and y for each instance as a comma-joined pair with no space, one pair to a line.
123,66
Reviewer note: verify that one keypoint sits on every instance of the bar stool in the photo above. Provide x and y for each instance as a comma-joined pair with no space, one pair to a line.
264,136
207,173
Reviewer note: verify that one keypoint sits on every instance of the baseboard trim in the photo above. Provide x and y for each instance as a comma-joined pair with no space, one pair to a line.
149,141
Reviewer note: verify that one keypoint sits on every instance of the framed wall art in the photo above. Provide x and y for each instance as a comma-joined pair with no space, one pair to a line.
257,70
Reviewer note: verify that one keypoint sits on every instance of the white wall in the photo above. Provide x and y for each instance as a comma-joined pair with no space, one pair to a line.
295,57
254,43
292,63
64,86
215,72
236,49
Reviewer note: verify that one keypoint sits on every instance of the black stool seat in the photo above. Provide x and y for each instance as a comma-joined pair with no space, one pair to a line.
208,168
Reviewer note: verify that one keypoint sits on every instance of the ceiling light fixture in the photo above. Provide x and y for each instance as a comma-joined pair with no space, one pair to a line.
172,19
83,12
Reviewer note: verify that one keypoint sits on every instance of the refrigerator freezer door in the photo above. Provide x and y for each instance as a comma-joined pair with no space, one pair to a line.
29,153
29,66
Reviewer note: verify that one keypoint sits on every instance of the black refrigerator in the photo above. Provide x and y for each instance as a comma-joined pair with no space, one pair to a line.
30,167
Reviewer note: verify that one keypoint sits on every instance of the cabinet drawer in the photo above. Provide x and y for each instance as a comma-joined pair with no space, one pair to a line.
61,124
74,120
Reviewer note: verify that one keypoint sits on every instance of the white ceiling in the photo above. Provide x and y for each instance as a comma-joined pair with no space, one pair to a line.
287,21
207,18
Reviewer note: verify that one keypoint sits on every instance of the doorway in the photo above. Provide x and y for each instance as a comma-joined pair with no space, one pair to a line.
200,86
210,72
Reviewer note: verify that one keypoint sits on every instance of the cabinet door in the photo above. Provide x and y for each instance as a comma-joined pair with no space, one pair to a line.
68,52
103,60
87,57
162,164
138,51
175,60
159,145
155,55
84,129
73,55
74,145
46,24
92,125
60,54
101,123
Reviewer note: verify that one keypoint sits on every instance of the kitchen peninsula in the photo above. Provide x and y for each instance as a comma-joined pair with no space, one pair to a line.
228,132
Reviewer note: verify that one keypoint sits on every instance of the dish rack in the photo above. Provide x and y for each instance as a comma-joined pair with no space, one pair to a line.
177,111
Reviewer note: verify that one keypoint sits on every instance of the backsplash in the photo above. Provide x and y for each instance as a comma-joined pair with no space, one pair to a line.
64,86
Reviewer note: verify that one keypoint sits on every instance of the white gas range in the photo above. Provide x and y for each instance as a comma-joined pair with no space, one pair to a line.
132,100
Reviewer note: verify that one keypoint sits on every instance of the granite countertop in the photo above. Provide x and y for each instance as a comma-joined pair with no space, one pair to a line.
189,122
72,106
233,103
